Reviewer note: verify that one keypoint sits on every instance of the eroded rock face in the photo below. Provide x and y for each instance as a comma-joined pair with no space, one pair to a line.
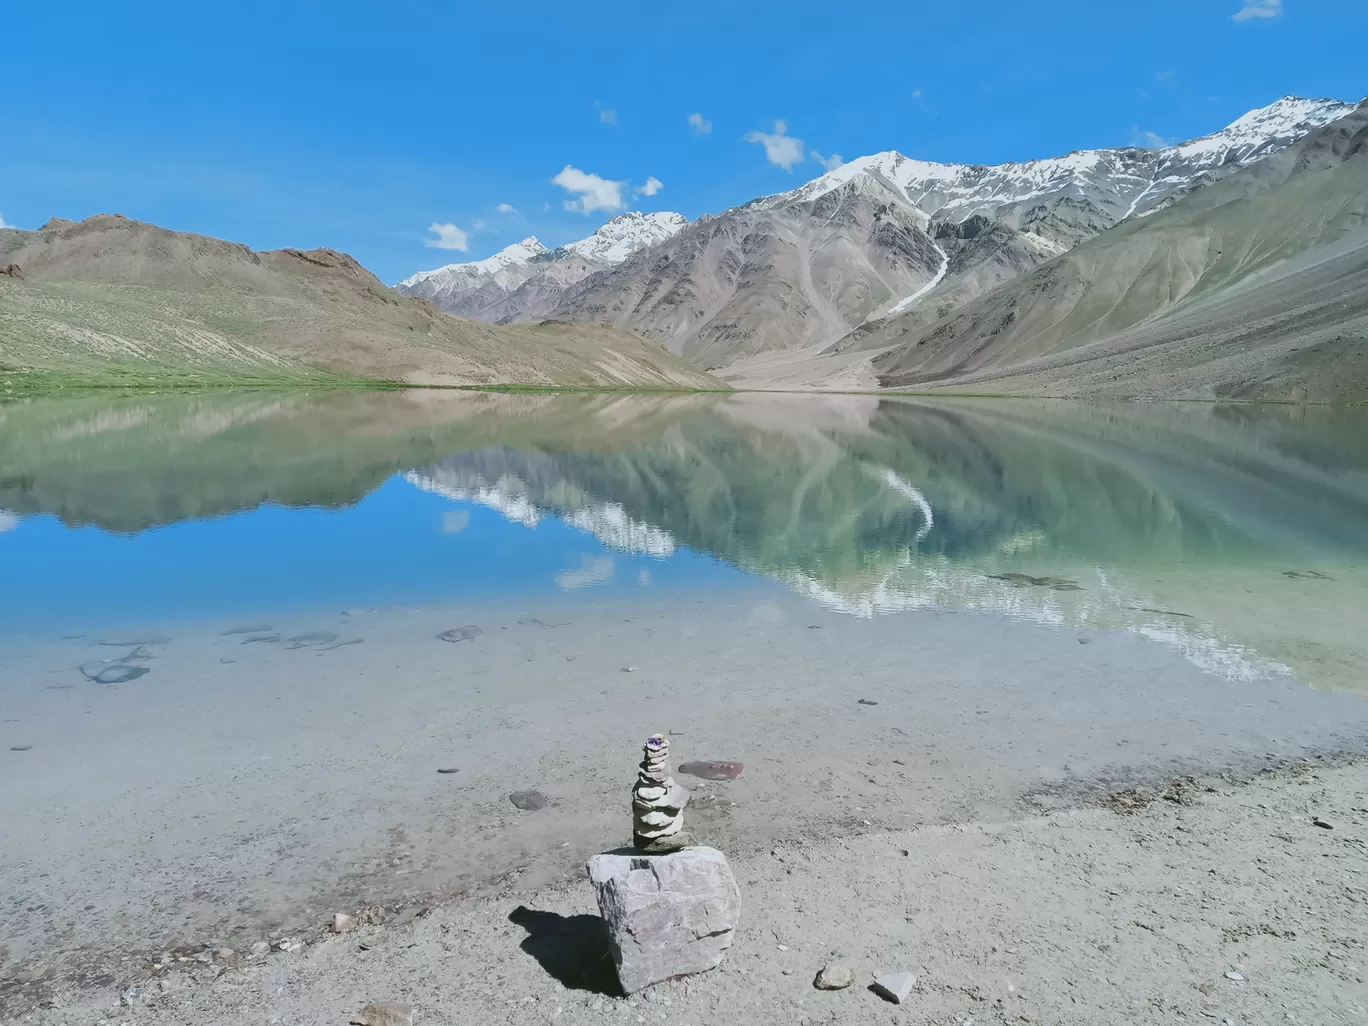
667,915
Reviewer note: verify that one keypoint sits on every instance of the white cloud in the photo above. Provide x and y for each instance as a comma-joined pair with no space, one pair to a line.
831,163
507,208
3,224
589,192
590,572
700,124
917,93
8,521
1259,9
781,149
1147,140
455,521
653,185
477,225
607,115
448,237
1168,78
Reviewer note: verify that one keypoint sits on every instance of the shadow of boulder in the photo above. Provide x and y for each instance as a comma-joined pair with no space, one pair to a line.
573,949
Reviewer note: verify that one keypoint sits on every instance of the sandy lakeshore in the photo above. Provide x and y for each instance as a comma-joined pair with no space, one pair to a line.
1215,901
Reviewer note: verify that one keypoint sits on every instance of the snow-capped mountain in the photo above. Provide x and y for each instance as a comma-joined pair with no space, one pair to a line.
514,283
627,233
890,235
1118,183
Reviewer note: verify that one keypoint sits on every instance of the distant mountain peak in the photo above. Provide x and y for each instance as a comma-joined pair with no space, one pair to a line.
493,278
627,233
518,253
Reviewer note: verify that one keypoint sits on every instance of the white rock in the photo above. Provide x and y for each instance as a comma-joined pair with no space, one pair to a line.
667,915
895,986
341,922
1231,974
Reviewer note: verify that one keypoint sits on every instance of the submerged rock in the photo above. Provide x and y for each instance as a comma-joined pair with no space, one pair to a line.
714,770
147,639
113,673
270,639
309,640
468,632
1027,581
528,801
667,915
255,629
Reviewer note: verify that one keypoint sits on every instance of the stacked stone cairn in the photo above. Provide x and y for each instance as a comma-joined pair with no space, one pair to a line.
671,907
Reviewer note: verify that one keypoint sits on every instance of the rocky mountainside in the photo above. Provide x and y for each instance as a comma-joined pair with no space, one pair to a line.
522,281
111,299
1254,287
885,235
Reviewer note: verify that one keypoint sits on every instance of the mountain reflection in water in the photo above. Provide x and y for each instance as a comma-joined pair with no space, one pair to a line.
1234,533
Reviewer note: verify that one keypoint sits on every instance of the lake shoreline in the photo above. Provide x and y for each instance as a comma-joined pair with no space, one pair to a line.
1209,897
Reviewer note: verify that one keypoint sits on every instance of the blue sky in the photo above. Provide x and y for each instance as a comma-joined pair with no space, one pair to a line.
358,125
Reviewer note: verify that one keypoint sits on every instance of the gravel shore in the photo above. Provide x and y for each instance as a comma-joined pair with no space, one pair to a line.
1206,901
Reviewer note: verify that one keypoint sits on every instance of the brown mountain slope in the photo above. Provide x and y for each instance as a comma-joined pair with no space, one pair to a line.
112,297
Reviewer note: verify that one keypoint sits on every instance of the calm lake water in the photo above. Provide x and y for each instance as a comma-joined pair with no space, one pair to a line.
226,696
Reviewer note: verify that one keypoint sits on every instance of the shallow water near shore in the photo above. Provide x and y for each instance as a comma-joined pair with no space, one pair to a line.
270,657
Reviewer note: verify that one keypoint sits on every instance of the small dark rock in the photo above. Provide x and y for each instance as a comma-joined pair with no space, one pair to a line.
868,701
21,748
448,769
1324,824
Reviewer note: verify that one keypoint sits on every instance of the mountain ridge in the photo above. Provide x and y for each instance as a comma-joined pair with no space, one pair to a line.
881,235
112,300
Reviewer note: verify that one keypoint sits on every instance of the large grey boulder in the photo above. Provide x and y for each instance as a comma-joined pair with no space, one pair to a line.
667,915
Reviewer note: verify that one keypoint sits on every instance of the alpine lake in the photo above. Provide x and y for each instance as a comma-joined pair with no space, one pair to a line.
267,657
